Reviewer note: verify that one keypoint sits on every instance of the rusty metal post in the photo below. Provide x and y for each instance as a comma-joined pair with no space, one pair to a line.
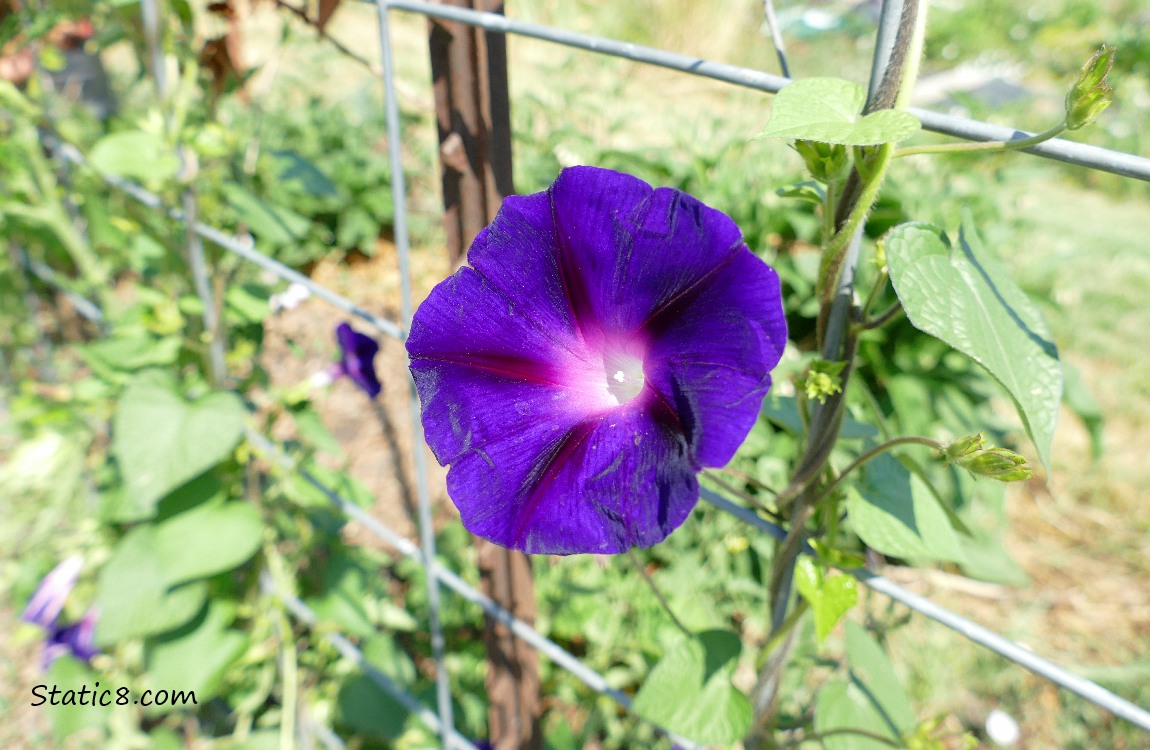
473,113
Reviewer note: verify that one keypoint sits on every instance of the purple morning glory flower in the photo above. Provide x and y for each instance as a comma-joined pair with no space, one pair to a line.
607,342
76,639
44,610
357,359
48,601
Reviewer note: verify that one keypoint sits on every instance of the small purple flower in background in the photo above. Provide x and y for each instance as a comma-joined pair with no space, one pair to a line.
48,601
607,342
76,639
44,610
357,359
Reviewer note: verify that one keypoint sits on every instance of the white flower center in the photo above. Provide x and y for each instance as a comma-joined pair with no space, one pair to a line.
625,378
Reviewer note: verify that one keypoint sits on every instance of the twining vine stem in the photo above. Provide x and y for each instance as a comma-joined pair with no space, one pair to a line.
837,340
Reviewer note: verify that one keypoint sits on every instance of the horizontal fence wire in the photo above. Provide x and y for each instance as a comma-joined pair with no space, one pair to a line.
1071,152
243,248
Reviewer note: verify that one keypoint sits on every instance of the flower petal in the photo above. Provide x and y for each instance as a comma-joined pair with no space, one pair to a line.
622,479
485,370
628,250
517,255
357,358
712,352
48,601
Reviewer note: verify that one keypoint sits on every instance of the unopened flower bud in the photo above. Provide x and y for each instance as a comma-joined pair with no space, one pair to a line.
1091,93
996,463
826,162
1086,109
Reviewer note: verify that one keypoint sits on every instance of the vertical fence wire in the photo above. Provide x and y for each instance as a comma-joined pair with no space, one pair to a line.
194,246
403,250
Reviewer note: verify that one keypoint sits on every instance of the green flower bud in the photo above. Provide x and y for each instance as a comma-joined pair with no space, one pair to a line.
996,463
1087,108
963,447
822,380
826,162
1091,93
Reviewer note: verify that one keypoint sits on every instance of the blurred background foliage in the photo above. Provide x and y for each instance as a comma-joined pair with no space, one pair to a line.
286,144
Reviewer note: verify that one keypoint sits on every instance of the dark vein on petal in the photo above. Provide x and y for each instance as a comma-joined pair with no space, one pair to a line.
549,468
694,287
501,366
573,291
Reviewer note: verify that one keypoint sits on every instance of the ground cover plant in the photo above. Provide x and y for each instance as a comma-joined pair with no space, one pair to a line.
149,529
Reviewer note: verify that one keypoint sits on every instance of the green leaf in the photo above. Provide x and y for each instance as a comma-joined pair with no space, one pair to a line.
963,297
132,592
117,355
161,440
808,191
135,155
383,653
207,540
366,708
871,670
830,597
689,691
294,167
872,701
248,301
842,706
196,656
895,512
829,110
274,224
314,432
1081,401
68,716
345,596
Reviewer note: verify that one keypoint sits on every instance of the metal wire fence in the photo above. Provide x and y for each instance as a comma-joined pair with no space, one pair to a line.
440,719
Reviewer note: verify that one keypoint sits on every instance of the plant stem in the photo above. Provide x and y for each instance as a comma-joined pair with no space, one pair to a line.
882,318
837,343
290,683
984,146
749,499
835,252
658,594
875,291
872,453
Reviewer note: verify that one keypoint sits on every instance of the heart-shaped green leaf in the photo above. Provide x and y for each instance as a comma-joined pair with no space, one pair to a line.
207,540
830,597
829,110
689,691
196,656
965,298
160,440
133,595
895,512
